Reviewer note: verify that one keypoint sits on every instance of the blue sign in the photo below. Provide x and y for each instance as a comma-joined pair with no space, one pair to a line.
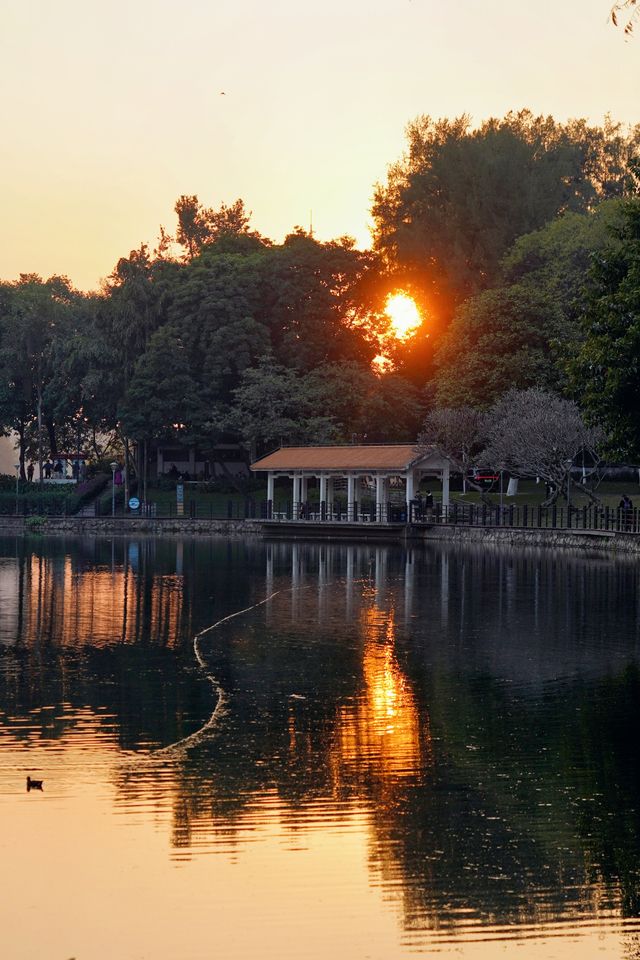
134,503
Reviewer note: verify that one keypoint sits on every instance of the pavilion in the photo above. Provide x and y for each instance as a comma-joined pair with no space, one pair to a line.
379,463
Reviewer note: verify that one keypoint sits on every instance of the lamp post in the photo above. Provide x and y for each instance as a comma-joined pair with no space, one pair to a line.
568,464
114,467
501,492
17,469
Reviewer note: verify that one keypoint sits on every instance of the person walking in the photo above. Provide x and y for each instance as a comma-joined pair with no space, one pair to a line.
30,473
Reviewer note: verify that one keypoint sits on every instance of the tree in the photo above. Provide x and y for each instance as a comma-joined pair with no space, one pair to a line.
274,404
456,433
459,198
193,228
605,374
535,433
321,302
35,323
556,258
200,226
521,333
366,404
161,399
502,338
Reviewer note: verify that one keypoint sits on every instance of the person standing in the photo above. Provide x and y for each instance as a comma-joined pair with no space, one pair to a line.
30,473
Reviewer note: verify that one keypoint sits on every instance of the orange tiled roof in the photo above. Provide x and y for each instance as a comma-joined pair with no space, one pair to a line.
393,456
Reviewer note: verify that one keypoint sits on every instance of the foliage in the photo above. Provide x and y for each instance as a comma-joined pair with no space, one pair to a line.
37,320
52,499
520,333
502,338
459,198
535,433
605,372
161,399
456,433
274,404
334,403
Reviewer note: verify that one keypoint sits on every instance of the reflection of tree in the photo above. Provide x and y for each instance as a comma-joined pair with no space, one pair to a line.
430,709
106,625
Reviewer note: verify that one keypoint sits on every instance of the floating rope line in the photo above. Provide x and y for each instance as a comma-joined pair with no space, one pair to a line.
177,749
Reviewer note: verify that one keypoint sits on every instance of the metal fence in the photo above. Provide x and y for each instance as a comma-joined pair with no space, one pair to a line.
591,517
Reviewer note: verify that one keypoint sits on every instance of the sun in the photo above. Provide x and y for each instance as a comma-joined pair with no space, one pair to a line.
403,314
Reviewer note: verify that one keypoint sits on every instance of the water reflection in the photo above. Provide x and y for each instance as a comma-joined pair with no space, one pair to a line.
469,716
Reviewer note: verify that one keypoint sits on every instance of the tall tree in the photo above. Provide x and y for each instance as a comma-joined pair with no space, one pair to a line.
456,433
521,332
455,203
500,339
536,433
606,372
36,317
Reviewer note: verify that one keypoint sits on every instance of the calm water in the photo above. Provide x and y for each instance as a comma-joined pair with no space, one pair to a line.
387,754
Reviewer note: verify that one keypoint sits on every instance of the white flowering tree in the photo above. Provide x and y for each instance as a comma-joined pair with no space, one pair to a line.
536,433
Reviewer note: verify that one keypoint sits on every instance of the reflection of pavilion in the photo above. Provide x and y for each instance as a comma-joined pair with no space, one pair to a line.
378,466
340,567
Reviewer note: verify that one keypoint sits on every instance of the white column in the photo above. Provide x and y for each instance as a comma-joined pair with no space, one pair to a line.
380,497
296,496
351,488
329,496
409,491
409,570
304,481
270,487
349,582
445,487
323,493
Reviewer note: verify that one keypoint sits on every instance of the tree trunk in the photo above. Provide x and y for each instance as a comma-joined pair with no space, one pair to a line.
23,475
51,433
144,472
126,473
40,433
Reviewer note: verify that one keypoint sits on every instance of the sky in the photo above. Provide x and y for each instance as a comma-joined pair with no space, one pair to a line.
111,111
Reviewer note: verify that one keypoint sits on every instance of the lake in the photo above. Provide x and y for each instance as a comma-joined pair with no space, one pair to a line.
302,751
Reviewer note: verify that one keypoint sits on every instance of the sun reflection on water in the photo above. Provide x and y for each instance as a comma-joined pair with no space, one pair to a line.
382,729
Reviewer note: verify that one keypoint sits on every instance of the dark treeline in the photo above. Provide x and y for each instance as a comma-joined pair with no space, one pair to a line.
517,239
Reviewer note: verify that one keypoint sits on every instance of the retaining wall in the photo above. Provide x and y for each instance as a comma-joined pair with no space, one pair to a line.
601,540
606,541
120,526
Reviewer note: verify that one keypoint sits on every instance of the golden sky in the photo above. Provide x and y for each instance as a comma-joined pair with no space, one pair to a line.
110,111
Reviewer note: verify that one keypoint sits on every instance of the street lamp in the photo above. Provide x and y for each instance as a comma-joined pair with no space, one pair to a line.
114,466
568,464
16,467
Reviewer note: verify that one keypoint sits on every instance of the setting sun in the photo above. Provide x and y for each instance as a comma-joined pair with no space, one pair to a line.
403,313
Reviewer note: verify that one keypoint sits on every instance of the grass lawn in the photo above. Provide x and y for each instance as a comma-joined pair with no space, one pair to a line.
216,504
533,494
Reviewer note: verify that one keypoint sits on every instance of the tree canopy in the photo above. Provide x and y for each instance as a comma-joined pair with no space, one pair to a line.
606,372
455,203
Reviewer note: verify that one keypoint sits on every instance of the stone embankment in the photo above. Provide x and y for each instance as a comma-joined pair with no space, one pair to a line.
118,526
600,540
591,540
